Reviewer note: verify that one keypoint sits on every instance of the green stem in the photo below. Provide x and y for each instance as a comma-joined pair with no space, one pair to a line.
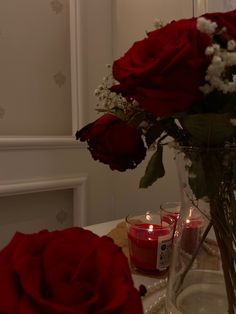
226,250
228,283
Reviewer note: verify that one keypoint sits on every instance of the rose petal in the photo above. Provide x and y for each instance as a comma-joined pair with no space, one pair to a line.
76,285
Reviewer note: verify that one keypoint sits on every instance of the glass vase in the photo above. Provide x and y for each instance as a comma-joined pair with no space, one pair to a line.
202,276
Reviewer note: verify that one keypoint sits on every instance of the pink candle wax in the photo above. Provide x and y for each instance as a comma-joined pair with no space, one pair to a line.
150,247
191,234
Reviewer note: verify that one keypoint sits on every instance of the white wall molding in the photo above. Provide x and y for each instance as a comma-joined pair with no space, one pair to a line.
199,7
77,93
38,142
78,63
77,183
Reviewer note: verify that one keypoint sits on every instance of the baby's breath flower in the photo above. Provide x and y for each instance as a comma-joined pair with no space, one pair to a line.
158,23
216,59
209,50
206,89
231,58
222,60
206,26
112,102
216,47
231,45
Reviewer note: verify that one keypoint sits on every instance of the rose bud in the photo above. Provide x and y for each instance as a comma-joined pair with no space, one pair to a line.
114,142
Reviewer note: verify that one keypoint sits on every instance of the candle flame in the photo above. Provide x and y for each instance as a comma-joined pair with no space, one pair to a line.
190,212
150,228
188,220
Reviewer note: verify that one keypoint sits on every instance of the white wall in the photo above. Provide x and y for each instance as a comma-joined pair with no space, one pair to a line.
133,17
35,68
220,5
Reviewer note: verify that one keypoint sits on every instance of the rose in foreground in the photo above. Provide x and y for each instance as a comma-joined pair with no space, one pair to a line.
114,142
65,272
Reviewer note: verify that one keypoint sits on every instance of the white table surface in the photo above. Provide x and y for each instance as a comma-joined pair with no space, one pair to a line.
103,229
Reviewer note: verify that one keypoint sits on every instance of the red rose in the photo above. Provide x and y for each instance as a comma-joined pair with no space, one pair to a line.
65,272
163,72
114,142
227,20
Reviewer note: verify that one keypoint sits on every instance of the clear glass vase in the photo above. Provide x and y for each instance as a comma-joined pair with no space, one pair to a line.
202,276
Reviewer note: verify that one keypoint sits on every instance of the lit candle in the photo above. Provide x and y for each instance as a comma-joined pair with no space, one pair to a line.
191,233
150,246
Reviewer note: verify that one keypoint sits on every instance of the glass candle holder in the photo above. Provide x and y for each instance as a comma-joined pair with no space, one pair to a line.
192,228
170,209
150,241
191,225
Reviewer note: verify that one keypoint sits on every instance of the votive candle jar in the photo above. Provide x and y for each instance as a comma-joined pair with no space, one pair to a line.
150,241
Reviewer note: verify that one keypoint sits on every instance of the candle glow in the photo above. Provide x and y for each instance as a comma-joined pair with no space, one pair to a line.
150,228
150,242
192,231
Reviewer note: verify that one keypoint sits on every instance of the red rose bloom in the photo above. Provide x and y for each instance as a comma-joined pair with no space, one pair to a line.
65,272
114,142
163,72
226,19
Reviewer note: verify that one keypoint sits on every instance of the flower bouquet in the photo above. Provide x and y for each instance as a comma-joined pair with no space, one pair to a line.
178,84
65,272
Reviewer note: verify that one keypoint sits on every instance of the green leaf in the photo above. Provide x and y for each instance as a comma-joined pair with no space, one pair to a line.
209,128
154,170
153,133
138,117
118,112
